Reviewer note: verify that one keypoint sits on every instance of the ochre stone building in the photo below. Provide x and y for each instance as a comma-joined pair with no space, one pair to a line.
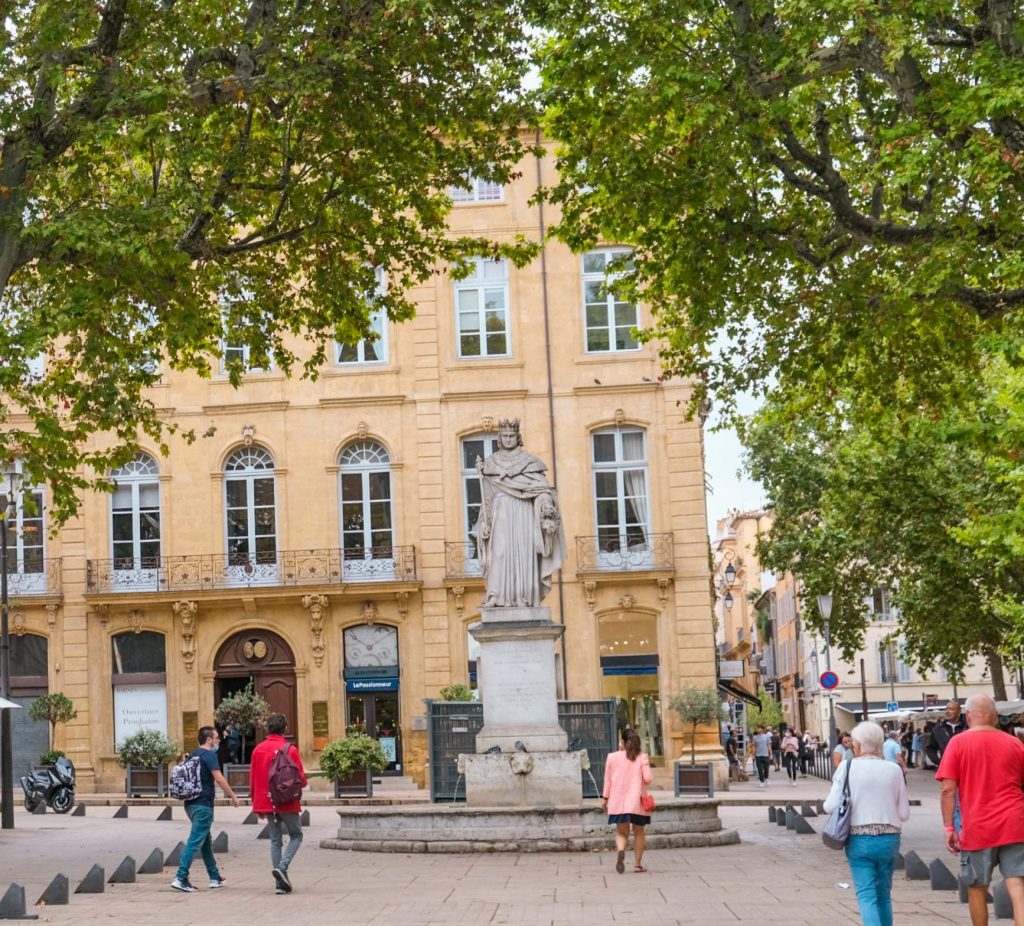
319,543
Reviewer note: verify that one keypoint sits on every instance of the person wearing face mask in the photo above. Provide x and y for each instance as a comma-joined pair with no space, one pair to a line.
953,724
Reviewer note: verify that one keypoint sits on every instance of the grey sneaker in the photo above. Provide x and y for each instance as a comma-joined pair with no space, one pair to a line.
281,877
280,890
217,882
184,885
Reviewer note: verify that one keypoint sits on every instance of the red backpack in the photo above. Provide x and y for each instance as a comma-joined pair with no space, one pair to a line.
284,781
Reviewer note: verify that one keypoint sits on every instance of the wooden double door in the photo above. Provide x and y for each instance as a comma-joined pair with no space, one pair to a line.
264,658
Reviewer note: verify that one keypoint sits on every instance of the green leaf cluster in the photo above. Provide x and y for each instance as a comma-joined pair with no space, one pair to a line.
146,749
698,707
55,707
456,693
341,757
245,709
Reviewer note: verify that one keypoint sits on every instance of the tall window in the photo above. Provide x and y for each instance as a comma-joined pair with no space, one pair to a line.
481,446
609,320
139,678
233,351
879,604
373,349
620,491
25,538
250,515
481,306
477,190
135,516
367,526
892,662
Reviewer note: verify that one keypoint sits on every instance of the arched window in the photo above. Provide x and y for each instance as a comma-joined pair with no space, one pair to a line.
367,524
139,678
621,508
26,573
475,446
250,513
135,521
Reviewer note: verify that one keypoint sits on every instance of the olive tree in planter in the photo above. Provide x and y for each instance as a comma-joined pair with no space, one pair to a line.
245,710
697,707
457,692
145,756
54,708
351,762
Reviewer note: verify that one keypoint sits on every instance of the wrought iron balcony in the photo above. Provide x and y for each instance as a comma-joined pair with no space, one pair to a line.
631,552
234,570
461,561
29,579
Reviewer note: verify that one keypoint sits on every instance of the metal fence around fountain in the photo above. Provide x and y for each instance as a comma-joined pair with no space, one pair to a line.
452,727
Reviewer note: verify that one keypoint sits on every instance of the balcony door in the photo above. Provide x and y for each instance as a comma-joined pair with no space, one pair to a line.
367,522
621,506
26,539
135,525
250,513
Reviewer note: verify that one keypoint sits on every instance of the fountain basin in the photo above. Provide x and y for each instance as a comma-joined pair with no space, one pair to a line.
458,828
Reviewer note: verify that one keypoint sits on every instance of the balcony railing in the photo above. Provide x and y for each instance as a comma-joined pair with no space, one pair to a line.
37,579
633,552
461,561
225,571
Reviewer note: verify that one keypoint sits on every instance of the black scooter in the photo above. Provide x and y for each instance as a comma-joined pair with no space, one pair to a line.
54,786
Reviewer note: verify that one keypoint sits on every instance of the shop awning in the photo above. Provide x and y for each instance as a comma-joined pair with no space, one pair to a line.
738,691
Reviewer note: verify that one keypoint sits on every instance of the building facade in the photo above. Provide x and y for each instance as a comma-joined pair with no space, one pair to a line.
319,546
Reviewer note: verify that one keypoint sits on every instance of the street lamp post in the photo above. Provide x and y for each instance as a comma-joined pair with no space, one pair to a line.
825,607
11,478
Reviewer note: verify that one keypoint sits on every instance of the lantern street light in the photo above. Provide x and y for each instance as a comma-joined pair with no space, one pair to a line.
12,485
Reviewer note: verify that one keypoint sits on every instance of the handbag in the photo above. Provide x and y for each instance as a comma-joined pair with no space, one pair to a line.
647,801
837,830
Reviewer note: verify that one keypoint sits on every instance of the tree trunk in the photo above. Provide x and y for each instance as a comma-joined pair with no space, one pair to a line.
995,665
693,745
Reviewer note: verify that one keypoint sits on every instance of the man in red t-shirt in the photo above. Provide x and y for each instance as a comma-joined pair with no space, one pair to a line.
987,766
282,817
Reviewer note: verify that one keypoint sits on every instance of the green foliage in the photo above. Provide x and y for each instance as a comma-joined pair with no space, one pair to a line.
51,756
768,715
54,708
146,749
456,693
698,707
246,710
340,758
174,173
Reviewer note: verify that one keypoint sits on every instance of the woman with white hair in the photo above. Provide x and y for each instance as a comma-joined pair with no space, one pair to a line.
878,807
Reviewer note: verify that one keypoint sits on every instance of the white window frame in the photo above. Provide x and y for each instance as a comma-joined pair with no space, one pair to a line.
25,582
888,613
260,465
477,190
142,471
477,282
611,304
379,325
469,476
228,348
365,458
639,553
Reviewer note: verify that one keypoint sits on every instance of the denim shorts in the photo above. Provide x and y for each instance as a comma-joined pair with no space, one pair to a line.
976,866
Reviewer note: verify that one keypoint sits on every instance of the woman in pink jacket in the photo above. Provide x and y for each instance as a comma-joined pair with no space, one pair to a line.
626,776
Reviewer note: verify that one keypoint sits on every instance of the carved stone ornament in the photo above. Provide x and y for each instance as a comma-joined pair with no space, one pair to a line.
135,617
18,624
626,602
620,417
369,612
248,434
591,589
51,615
403,604
487,423
185,612
316,605
363,430
458,591
663,592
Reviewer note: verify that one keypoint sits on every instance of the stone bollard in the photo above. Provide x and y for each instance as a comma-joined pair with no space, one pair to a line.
941,877
56,893
92,883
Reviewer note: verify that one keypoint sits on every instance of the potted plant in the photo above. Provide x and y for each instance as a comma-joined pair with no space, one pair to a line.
244,710
351,762
697,707
54,708
145,756
49,757
456,693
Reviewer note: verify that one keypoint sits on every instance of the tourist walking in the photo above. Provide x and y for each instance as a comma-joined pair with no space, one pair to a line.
627,773
843,749
790,746
878,806
806,752
199,810
283,816
762,754
776,750
954,724
891,750
985,767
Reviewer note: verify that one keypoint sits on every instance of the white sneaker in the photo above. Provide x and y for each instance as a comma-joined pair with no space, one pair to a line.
185,886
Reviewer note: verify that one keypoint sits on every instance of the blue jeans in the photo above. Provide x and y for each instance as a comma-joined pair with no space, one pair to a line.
281,823
201,816
872,859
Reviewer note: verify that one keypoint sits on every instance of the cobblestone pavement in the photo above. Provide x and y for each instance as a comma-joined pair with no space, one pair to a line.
773,876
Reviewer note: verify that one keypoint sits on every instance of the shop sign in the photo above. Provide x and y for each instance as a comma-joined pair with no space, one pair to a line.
139,707
372,684
390,746
730,668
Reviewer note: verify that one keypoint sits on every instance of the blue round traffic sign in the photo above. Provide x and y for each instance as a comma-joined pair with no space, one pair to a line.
829,680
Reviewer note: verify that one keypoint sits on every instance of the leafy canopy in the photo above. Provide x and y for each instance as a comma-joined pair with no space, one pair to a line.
174,172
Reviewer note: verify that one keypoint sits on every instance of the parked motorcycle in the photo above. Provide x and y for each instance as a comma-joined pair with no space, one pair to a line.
54,786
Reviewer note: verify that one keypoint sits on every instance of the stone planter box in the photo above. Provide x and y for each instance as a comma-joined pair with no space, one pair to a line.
238,778
695,780
358,784
145,782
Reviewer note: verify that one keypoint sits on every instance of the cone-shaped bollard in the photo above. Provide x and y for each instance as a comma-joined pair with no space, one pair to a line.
56,893
942,878
121,813
250,820
962,885
304,819
821,808
916,869
791,816
780,816
1001,901
79,810
125,873
165,814
807,810
771,814
220,843
174,859
154,863
800,825
92,883
12,906
39,808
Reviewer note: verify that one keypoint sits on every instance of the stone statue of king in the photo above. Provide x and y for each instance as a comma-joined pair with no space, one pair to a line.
519,530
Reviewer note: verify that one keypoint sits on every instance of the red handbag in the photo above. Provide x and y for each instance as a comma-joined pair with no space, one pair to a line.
647,802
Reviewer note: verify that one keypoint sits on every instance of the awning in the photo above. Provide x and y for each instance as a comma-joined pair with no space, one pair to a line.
8,705
738,691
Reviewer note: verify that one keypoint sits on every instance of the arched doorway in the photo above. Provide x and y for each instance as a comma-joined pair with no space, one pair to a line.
264,657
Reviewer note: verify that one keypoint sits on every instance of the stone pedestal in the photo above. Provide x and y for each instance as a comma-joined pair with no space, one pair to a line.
523,779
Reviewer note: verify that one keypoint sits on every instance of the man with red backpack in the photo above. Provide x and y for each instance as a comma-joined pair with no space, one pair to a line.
276,780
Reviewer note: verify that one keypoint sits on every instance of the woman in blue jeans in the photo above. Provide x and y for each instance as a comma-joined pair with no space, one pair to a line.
878,807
